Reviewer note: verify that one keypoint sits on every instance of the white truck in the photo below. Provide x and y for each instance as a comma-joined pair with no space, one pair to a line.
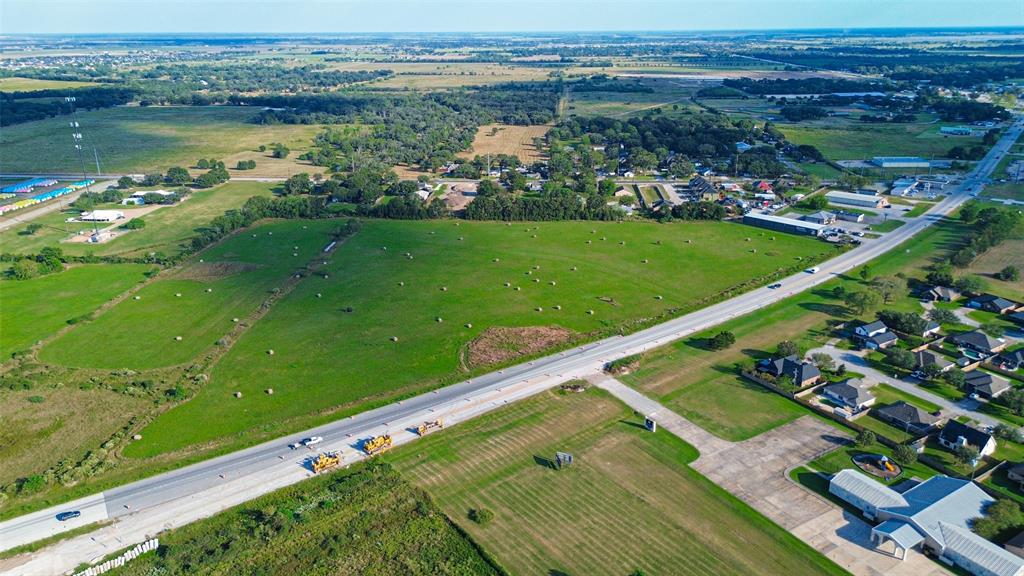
812,270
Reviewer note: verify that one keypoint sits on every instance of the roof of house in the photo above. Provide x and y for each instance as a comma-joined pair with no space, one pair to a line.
821,215
945,291
998,301
986,383
866,489
874,326
954,430
941,499
926,357
931,326
976,339
1018,540
883,338
1017,316
903,412
1014,355
793,367
850,392
994,560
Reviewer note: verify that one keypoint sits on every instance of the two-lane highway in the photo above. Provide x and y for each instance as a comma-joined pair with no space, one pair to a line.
179,496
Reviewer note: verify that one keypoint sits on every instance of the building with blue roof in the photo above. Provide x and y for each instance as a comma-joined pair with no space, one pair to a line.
934,515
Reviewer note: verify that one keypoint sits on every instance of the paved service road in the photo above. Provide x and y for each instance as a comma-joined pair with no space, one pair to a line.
265,467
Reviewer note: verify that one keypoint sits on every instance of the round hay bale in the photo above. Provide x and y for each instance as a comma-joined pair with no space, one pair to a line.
689,241
557,307
177,338
658,297
622,242
518,288
209,289
593,231
644,261
539,309
536,267
136,436
394,338
461,238
604,237
325,276
295,247
589,242
384,248
295,253
270,391
439,319
534,235
401,283
552,282
507,284
529,272
238,394
253,235
456,223
270,233
497,260
137,298
319,295
177,294
234,319
747,239
590,311
536,279
201,260
444,288
468,325
270,352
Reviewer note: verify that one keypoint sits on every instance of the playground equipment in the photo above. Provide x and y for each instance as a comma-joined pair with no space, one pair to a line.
422,429
377,444
326,461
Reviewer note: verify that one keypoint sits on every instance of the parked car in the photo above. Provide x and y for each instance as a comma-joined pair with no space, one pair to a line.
69,515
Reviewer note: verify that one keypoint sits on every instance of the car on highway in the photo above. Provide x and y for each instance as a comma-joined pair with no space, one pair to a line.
812,270
69,515
776,285
311,441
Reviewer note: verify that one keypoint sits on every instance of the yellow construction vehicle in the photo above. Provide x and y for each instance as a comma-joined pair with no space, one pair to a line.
377,444
430,425
325,461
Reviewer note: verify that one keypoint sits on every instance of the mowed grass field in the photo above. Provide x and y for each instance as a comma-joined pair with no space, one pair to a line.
335,351
629,502
505,139
168,229
231,282
1009,253
141,139
16,84
846,140
31,310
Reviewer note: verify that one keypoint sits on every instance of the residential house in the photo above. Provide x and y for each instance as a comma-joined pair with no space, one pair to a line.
1013,360
803,373
875,336
821,217
908,417
926,357
1017,317
742,147
941,294
955,434
979,342
992,303
850,394
985,385
930,329
762,186
1016,474
871,329
935,515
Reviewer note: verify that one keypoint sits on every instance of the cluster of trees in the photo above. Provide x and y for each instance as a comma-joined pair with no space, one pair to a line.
245,165
905,322
799,112
21,107
606,83
894,119
966,152
87,200
803,85
47,261
698,211
760,161
218,174
961,109
990,227
257,208
722,340
1003,519
554,206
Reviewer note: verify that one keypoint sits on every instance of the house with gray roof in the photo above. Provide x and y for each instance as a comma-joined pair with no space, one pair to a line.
984,384
850,394
978,341
926,357
1011,360
908,417
941,294
802,373
956,434
935,515
992,303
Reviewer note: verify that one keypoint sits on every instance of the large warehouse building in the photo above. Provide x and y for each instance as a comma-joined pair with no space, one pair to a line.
900,162
853,199
782,224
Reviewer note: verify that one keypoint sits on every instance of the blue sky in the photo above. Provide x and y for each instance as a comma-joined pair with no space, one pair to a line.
84,16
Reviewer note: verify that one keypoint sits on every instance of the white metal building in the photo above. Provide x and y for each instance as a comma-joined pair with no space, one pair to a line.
101,216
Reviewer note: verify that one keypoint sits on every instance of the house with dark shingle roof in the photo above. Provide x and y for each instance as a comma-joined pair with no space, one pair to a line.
955,434
850,394
986,385
992,303
802,373
908,417
927,357
941,294
1013,360
935,515
1017,317
978,341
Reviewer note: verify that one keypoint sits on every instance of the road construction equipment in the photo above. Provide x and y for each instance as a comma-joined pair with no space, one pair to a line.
325,461
422,429
377,444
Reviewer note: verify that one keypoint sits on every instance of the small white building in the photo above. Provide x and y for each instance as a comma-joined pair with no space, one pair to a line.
852,199
101,216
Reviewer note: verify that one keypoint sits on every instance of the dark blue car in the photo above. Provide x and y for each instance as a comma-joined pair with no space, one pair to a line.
68,515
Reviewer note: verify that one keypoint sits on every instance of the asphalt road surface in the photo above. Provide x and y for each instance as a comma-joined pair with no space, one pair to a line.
248,473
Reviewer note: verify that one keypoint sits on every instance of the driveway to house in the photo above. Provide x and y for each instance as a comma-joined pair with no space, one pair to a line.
860,364
757,471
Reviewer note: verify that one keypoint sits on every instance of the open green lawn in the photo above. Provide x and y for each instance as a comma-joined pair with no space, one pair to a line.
167,230
138,139
235,277
842,458
842,140
16,84
37,308
336,351
629,502
365,520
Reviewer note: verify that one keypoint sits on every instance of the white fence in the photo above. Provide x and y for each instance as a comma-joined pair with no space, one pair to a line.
147,546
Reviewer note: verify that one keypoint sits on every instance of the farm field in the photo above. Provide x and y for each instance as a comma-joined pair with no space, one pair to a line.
167,228
235,277
443,75
850,141
364,306
575,520
1009,190
16,84
1009,253
692,380
505,139
36,308
141,139
624,104
364,520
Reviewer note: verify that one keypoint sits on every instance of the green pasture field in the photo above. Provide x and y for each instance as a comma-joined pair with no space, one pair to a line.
142,139
842,140
628,503
705,386
235,277
1009,253
16,84
168,229
37,308
622,104
1008,190
335,351
364,520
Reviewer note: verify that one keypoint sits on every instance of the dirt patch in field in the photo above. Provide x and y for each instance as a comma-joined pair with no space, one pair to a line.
505,139
210,271
497,345
458,196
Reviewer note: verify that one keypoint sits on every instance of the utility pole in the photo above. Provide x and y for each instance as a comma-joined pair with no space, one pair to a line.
76,137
